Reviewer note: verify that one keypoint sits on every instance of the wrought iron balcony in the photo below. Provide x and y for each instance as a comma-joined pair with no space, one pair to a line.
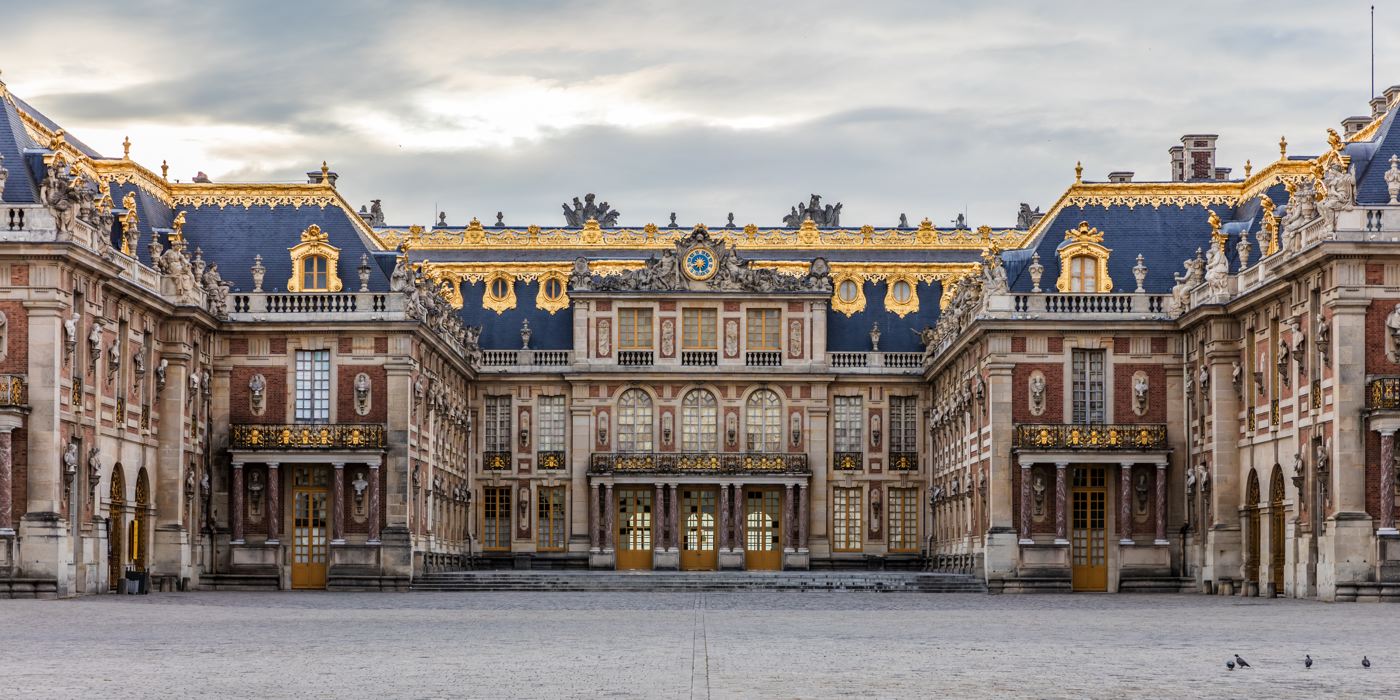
1381,392
904,461
13,390
297,436
847,461
619,463
1077,436
550,459
495,460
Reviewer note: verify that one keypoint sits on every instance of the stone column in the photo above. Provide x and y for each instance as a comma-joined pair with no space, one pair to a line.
274,503
338,504
1125,503
1387,526
609,508
804,513
236,496
1161,507
724,517
740,540
789,515
7,513
593,523
1026,503
373,525
675,517
1062,503
660,518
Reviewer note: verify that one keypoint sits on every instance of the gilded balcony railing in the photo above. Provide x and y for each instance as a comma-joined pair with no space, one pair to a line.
904,461
550,459
495,460
1074,436
619,463
847,461
339,436
1381,392
13,390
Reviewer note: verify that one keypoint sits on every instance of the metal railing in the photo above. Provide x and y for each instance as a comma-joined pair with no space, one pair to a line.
495,460
1381,392
604,463
1075,436
904,461
297,436
14,391
847,461
550,459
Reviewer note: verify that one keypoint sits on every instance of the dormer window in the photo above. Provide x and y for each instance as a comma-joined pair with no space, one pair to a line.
313,273
1083,261
1083,274
314,263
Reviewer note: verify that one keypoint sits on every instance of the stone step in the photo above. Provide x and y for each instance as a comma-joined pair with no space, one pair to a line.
700,581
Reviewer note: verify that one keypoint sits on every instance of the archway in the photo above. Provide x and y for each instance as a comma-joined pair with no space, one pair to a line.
116,531
1276,558
1251,505
140,522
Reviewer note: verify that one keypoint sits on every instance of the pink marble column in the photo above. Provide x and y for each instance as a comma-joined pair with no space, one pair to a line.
1026,503
1125,503
374,502
790,516
675,516
236,495
740,526
274,503
609,508
594,524
1161,508
724,514
338,504
7,512
662,520
1062,503
804,513
1387,526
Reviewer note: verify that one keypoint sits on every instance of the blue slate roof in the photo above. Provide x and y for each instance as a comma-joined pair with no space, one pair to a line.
851,334
1371,159
21,185
502,331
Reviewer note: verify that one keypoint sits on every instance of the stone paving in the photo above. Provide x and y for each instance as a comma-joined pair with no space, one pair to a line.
692,645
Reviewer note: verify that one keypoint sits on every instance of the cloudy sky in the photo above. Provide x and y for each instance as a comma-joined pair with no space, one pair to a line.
701,108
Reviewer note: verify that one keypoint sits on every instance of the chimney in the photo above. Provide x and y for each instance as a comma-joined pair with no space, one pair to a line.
1351,125
1390,94
1222,173
1200,156
1378,105
314,177
1178,163
1120,176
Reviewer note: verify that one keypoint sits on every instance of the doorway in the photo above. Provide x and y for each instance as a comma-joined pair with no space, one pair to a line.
1089,535
634,528
763,546
1276,558
699,510
1252,533
310,542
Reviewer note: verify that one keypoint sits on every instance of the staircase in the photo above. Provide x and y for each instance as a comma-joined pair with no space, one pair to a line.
685,581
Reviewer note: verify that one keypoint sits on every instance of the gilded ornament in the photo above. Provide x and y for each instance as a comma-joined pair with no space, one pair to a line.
1269,223
177,228
1084,241
315,243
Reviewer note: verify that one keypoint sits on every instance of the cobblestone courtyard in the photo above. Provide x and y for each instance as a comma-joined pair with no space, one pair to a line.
721,645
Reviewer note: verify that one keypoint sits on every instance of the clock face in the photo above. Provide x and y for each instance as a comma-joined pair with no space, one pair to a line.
700,264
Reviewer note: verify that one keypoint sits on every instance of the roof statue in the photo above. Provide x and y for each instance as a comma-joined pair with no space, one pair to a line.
828,216
1026,217
584,211
376,213
698,262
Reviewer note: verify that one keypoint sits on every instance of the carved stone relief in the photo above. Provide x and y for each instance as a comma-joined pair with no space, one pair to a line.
731,338
1140,393
604,337
1037,393
668,337
257,394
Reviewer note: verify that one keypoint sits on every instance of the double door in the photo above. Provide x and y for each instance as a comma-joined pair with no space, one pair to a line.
699,528
1089,531
763,528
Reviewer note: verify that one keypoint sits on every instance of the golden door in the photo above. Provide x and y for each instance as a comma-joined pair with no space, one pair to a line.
1252,533
1277,560
310,543
634,528
763,546
1089,536
698,514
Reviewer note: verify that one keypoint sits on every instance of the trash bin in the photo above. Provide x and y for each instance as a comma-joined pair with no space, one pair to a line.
138,582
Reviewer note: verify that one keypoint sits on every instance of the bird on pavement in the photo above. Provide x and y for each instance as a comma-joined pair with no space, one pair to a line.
1307,660
1242,663
1229,664
1365,662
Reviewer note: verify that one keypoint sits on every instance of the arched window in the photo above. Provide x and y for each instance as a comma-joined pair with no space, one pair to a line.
763,422
313,274
140,535
699,422
634,421
1083,274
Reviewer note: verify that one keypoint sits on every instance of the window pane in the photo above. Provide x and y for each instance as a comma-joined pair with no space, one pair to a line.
313,386
763,422
551,420
497,423
699,422
848,424
762,329
846,512
903,423
698,329
634,421
1088,386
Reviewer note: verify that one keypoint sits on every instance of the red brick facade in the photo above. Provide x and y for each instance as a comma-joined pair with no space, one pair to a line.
345,394
1054,392
1123,393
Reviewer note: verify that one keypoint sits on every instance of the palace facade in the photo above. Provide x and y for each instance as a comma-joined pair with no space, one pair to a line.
1183,385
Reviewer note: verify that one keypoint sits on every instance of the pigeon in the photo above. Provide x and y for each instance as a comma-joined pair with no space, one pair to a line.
1365,662
1307,660
1230,665
1241,662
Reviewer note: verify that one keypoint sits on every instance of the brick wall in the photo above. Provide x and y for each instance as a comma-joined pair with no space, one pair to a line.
1376,361
345,395
1021,392
274,399
1123,393
17,349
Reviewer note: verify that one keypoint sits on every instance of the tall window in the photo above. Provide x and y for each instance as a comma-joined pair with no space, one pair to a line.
550,413
313,386
313,274
1083,274
904,423
1088,386
763,329
495,517
763,422
698,329
904,520
845,516
849,410
699,422
497,423
634,421
634,329
549,525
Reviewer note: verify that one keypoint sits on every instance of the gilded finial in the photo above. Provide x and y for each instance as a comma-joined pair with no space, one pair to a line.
1078,172
1248,166
164,170
325,173
126,148
1334,140
177,228
1282,148
1216,235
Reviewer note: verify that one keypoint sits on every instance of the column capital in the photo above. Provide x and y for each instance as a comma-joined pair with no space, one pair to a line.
273,465
1386,431
1126,464
237,465
1161,464
374,463
1062,465
1025,462
338,465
